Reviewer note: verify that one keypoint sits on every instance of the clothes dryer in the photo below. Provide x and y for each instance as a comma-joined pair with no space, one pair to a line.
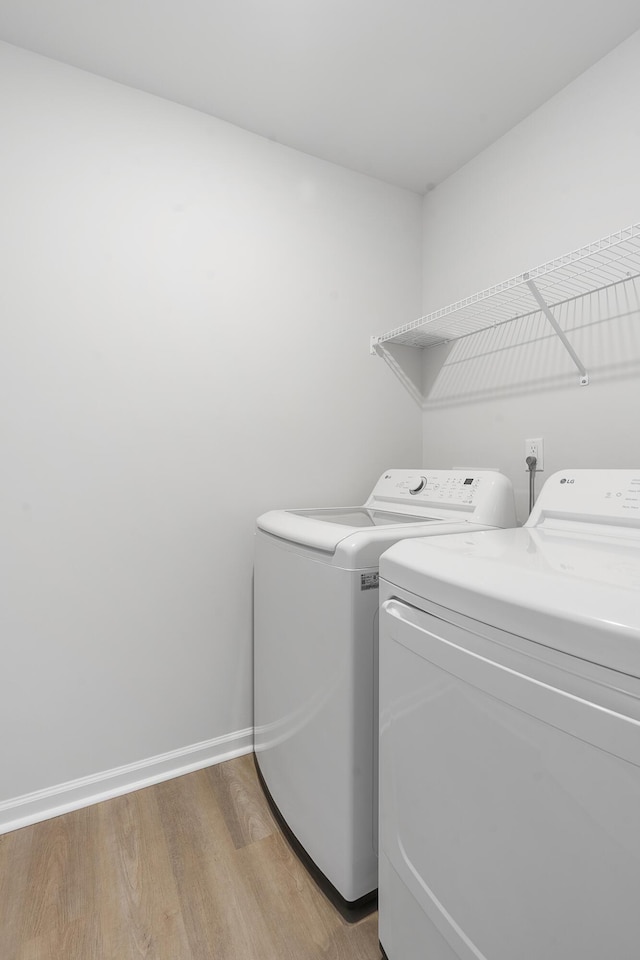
315,680
510,733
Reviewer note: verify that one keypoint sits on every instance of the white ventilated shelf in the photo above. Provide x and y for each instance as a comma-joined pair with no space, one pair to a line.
598,265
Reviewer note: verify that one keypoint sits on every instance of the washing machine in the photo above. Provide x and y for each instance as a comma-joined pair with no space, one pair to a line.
315,677
510,733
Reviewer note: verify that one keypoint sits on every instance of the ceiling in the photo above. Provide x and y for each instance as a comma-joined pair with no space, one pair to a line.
403,90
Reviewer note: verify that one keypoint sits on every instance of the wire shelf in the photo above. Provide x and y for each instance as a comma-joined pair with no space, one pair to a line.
608,261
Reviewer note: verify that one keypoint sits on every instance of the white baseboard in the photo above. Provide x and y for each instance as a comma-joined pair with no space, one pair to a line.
53,801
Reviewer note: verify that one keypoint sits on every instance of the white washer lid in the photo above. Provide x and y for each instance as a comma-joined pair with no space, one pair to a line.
404,499
573,592
346,546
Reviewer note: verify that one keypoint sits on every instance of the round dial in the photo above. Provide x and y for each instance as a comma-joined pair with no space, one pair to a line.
416,484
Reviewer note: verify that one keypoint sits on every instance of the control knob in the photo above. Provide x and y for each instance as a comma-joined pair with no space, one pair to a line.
416,484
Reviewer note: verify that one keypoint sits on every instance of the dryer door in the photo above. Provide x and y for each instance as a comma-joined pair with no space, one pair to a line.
509,800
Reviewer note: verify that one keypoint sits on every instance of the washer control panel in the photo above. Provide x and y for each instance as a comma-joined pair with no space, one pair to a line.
478,496
439,487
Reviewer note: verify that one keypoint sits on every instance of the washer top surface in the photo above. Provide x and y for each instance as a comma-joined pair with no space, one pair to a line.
569,579
360,517
403,503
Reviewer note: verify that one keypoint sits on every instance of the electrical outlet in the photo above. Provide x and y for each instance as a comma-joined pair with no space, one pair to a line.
534,448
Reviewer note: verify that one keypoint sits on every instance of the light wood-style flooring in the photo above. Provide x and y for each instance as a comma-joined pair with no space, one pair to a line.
191,869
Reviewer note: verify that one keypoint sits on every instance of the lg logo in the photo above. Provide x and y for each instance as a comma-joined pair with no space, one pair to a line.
565,480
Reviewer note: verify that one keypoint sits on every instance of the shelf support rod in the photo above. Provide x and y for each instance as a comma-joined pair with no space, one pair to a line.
584,376
378,349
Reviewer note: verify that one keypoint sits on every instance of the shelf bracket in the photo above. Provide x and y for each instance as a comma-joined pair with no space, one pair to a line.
378,349
584,376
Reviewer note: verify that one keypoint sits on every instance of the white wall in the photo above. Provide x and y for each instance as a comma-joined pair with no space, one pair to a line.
565,176
186,311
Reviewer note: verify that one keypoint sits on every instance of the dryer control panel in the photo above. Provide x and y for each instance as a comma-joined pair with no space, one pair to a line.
589,496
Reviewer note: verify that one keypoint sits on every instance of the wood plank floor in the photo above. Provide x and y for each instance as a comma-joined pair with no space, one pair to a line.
192,869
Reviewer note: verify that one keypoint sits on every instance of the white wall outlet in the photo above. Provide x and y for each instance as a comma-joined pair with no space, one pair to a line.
534,448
